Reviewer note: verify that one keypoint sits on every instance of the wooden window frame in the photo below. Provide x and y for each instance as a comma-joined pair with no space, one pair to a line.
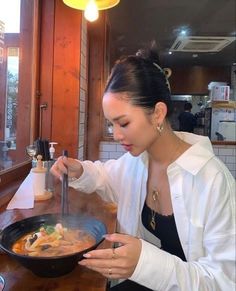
58,83
10,179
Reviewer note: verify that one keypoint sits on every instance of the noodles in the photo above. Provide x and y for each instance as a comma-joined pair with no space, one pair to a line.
51,241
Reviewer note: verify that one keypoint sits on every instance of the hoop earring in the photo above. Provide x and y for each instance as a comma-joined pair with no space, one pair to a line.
160,128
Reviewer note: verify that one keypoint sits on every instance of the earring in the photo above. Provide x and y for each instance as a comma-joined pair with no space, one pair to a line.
160,128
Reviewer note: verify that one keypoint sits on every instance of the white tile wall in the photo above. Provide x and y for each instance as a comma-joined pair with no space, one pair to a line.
110,150
227,153
83,89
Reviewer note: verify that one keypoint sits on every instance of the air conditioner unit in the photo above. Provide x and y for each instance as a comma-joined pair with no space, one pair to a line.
201,43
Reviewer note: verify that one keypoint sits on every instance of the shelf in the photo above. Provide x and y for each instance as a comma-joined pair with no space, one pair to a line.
224,104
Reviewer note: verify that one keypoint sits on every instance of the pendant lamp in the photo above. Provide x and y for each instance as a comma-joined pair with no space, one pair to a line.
91,7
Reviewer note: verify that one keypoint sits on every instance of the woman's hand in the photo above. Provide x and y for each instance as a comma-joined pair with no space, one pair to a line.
64,165
117,263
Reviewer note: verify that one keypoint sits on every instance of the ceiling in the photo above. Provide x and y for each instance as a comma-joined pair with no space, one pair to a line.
135,23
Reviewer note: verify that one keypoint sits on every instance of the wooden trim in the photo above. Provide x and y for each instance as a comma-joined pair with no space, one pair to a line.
34,129
16,173
10,181
45,89
223,142
27,77
8,192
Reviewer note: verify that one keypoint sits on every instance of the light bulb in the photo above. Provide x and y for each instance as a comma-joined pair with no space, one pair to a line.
91,11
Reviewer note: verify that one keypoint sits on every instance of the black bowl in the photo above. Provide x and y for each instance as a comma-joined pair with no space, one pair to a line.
51,266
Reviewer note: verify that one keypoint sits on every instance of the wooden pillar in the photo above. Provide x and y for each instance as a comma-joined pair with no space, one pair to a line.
60,75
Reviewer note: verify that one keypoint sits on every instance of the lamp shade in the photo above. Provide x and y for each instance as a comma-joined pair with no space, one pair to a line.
82,4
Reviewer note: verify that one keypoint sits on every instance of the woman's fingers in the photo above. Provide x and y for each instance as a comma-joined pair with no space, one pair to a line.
111,273
100,254
119,238
59,168
121,260
106,267
69,166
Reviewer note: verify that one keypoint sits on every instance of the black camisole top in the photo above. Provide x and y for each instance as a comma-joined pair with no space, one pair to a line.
165,230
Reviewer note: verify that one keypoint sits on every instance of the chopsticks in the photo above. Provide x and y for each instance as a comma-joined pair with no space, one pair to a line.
64,190
42,146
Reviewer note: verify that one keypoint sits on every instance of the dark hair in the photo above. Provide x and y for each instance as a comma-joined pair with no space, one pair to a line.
142,78
187,106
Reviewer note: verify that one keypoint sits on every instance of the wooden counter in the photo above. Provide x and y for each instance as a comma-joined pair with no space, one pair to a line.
18,278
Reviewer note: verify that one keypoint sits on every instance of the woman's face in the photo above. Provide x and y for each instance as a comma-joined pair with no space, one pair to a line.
132,127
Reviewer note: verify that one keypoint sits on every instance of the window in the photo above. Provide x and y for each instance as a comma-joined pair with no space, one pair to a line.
18,68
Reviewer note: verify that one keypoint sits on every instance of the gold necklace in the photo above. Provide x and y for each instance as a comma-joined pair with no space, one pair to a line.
155,194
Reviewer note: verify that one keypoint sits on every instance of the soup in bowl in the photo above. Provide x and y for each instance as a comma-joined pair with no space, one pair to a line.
53,240
51,245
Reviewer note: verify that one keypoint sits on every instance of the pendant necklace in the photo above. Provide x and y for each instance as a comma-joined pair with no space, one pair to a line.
155,193
154,197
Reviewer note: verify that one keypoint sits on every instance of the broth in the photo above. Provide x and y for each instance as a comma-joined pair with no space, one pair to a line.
51,241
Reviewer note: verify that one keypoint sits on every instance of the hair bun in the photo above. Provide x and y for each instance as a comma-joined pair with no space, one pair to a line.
149,53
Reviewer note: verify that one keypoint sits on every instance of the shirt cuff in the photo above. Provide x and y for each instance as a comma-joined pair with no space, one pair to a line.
83,183
154,267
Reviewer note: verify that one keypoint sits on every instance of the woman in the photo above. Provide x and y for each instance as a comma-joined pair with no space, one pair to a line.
187,121
176,213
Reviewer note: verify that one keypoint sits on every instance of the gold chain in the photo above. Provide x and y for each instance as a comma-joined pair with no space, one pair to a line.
155,194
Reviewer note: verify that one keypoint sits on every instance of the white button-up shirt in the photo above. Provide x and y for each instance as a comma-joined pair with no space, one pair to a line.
203,200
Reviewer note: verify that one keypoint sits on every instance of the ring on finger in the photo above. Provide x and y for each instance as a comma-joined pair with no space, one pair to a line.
109,272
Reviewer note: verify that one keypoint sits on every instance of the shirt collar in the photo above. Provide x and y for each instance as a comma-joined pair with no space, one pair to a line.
193,159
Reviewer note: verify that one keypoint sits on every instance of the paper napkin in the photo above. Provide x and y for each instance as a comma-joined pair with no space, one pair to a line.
24,196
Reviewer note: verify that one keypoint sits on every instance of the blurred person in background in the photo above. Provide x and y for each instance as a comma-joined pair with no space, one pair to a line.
187,121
